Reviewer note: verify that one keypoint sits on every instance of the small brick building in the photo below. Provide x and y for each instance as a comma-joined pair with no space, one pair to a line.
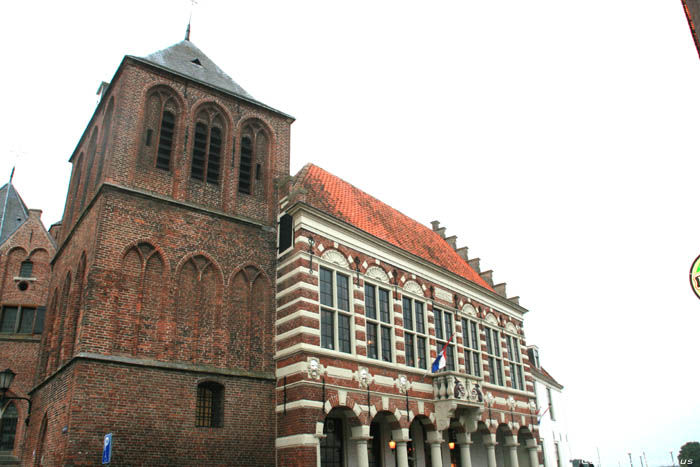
26,249
206,308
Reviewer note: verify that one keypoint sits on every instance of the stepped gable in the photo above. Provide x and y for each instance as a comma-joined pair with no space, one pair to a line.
332,195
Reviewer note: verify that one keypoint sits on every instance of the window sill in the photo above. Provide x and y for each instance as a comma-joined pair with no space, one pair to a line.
11,336
20,278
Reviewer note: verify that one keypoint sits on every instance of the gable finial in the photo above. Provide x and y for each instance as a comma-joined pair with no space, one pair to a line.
189,22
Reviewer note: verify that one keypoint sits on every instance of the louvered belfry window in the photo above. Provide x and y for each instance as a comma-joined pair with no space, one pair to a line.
246,165
253,159
165,144
159,138
206,150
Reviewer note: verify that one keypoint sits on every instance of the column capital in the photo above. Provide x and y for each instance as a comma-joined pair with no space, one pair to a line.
489,440
512,442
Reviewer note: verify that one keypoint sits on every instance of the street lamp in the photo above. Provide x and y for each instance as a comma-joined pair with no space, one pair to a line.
6,378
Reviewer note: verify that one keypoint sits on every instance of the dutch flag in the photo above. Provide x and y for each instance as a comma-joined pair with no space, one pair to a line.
441,360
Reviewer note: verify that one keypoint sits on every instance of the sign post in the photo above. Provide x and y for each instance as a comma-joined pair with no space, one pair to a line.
107,449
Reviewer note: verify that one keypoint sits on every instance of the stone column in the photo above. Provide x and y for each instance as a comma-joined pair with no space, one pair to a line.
436,453
464,441
532,451
402,454
435,442
361,451
490,443
512,444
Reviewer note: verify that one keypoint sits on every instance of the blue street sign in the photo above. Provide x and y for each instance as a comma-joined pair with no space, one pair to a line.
107,449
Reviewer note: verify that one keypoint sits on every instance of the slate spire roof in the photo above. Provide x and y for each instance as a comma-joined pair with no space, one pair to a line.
13,213
338,198
186,59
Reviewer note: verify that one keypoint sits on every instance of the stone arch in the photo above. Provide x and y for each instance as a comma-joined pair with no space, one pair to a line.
413,287
526,442
378,274
470,311
491,319
335,257
420,431
481,438
383,428
505,439
198,308
335,429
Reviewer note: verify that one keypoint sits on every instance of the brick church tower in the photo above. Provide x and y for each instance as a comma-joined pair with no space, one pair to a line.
160,316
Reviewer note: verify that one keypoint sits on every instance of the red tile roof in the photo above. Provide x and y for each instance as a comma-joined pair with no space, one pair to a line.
336,197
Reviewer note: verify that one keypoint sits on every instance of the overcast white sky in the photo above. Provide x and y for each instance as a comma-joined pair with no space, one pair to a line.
558,139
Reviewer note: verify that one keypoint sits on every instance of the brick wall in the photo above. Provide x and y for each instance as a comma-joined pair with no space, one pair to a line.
20,352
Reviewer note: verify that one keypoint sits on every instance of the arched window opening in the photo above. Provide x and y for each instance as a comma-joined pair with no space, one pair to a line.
26,269
254,148
74,190
206,150
8,428
246,165
106,129
161,112
333,443
210,398
165,143
92,149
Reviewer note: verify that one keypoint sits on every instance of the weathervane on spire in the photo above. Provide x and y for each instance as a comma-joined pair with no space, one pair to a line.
187,34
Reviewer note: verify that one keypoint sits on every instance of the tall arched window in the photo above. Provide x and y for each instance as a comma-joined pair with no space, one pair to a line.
8,427
74,190
92,149
254,148
159,134
206,150
106,129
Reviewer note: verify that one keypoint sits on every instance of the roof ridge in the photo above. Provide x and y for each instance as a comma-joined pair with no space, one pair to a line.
366,212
